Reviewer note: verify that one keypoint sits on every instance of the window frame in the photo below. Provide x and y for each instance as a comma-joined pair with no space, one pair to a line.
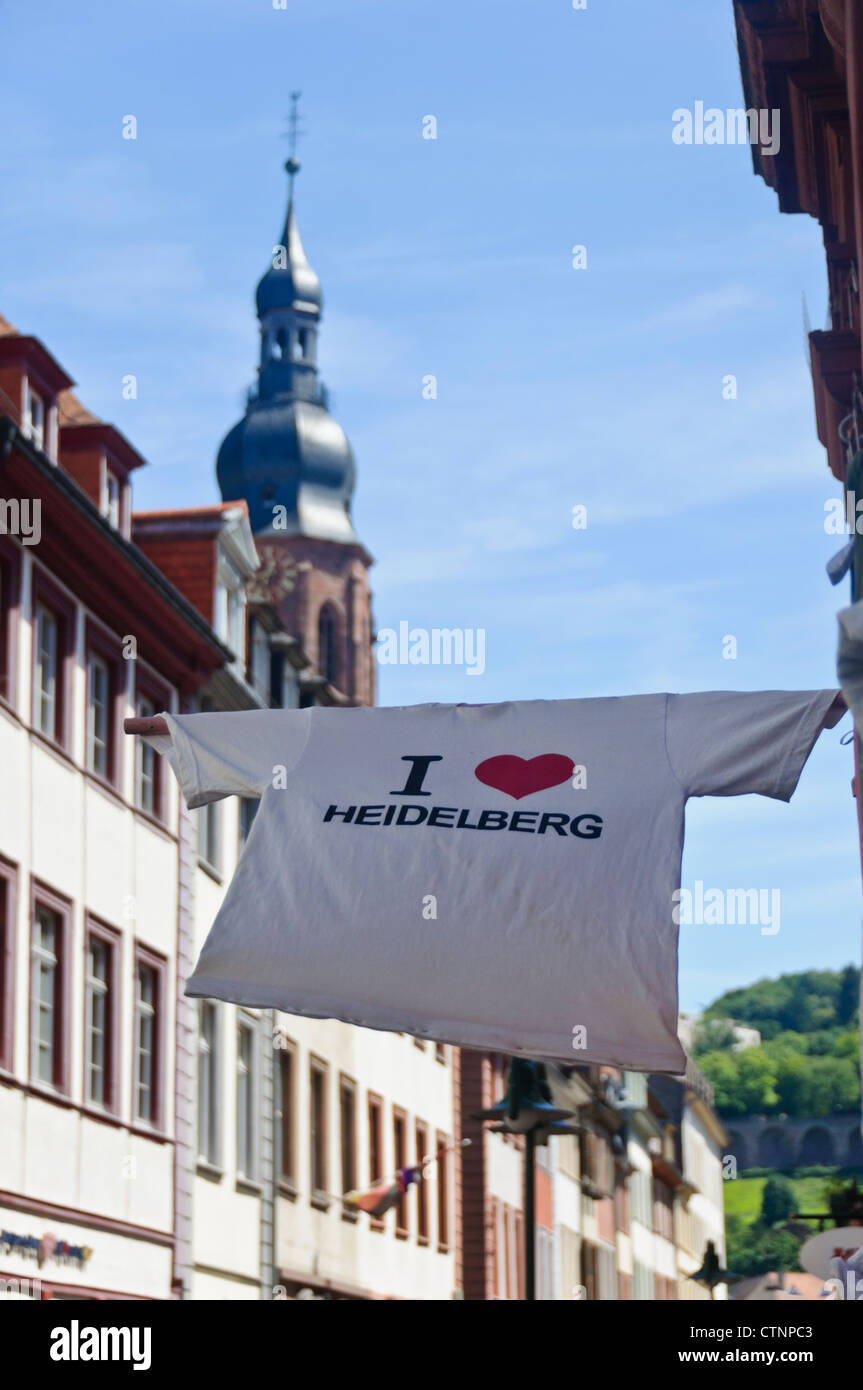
375,1121
10,618
35,433
210,827
331,668
8,938
287,1113
152,960
47,595
215,1053
113,939
100,646
109,477
248,1027
146,687
421,1140
319,1133
41,895
444,1218
400,1161
349,1179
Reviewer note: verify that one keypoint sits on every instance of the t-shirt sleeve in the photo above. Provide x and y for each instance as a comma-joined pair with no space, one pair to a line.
728,743
231,754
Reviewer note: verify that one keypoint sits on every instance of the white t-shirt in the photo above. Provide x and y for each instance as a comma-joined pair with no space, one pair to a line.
443,870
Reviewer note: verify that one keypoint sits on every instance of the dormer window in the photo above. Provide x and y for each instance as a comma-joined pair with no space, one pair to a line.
230,610
111,499
34,422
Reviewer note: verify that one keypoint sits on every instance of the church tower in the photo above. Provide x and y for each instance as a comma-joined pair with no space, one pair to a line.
293,465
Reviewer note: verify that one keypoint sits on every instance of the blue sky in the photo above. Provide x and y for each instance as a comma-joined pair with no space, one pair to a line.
556,387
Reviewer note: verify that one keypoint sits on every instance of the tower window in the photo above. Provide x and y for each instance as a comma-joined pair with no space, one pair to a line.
280,348
302,343
327,645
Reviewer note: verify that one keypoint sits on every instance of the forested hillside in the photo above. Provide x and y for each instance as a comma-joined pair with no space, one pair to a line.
809,1059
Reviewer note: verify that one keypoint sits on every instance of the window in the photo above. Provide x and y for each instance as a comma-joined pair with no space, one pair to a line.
544,1264
510,1271
286,1113
643,1282
348,1135
400,1153
47,671
148,766
48,979
442,1165
210,836
518,1223
111,499
98,715
663,1222
248,810
246,1101
209,1068
10,569
327,658
34,422
8,884
376,1148
422,1140
440,1053
318,1129
149,1006
53,649
100,1003
105,680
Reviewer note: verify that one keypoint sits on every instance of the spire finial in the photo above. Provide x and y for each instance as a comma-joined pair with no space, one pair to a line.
292,164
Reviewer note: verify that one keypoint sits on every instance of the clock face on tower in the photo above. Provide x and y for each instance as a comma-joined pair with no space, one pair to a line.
276,577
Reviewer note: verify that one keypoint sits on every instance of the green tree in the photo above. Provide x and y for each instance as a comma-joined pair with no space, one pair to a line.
777,1200
756,1079
849,994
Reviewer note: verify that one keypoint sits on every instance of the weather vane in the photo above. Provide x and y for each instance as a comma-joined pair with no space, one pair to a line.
292,164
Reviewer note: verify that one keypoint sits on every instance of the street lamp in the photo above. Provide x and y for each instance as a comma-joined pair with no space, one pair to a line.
527,1109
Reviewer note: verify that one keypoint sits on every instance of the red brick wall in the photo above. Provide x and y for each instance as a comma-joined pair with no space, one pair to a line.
337,575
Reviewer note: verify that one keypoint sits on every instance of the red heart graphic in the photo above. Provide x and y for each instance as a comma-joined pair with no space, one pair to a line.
518,777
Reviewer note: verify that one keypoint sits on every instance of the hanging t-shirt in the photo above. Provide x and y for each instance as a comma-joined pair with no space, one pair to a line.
496,876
